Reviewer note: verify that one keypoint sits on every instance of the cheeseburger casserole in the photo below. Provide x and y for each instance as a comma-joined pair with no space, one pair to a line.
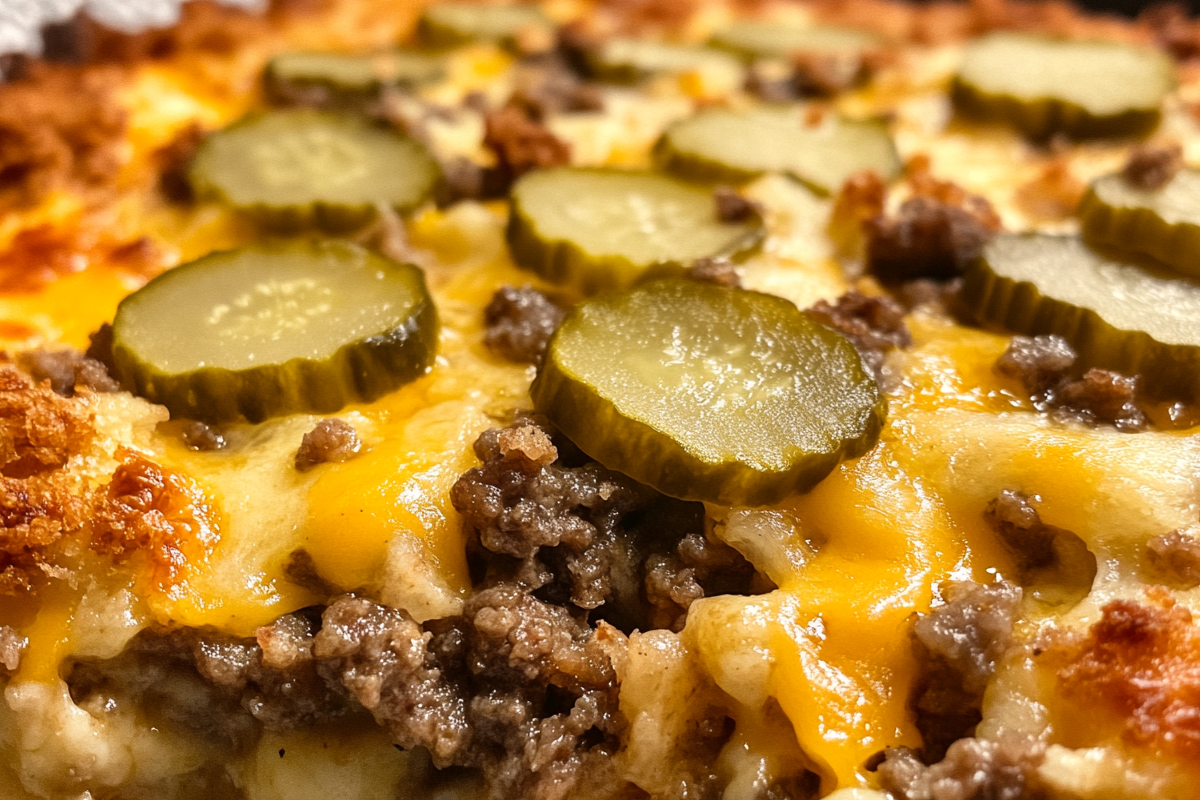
607,399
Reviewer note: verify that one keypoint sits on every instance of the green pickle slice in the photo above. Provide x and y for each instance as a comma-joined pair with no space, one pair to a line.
706,393
624,60
300,168
774,40
274,329
1116,314
737,145
349,77
453,24
1163,223
1044,86
605,228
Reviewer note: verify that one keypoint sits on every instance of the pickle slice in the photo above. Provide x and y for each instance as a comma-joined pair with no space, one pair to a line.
293,169
1044,86
275,329
1117,315
603,229
734,146
348,77
707,393
623,60
452,24
1164,223
773,40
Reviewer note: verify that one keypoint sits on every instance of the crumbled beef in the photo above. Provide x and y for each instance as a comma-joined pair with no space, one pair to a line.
201,436
381,656
935,234
826,74
332,441
12,645
1104,396
558,526
217,686
1175,557
520,323
926,238
716,271
1015,517
173,159
515,686
698,567
100,346
973,769
732,207
875,325
1040,363
67,370
958,645
770,88
521,144
462,179
1152,166
550,87
301,569
1043,365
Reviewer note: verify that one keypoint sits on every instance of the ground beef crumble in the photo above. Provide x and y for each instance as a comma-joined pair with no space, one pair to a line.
973,769
67,370
717,271
330,441
958,645
732,206
519,323
875,325
1151,166
1045,364
1174,557
520,143
936,233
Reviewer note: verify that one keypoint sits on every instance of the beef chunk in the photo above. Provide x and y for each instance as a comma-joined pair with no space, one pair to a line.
521,144
1175,557
698,567
731,206
874,325
556,528
1014,516
1044,366
826,74
201,436
549,87
381,656
520,323
958,645
217,686
332,440
67,370
515,686
1152,167
716,271
462,179
926,239
100,344
973,769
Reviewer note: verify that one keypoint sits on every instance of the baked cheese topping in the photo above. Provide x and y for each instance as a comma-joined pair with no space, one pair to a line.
991,507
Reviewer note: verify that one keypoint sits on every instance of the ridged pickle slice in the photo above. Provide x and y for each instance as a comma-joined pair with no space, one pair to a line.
455,23
605,228
707,393
349,77
1044,86
1163,223
737,145
300,168
752,39
1118,315
625,60
274,329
